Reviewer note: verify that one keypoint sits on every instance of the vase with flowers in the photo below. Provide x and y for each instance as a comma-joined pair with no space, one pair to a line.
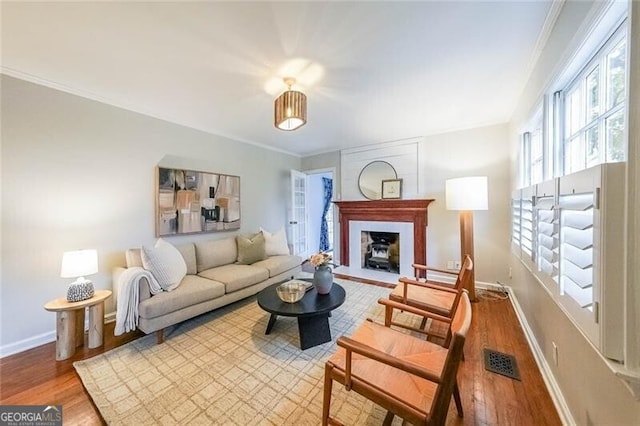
323,275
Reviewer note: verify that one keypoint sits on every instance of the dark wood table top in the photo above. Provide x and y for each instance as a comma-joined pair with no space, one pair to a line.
311,304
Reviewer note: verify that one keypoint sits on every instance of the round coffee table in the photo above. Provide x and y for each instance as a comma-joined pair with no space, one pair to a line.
312,311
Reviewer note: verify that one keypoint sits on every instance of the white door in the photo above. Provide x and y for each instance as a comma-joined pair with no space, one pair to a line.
298,214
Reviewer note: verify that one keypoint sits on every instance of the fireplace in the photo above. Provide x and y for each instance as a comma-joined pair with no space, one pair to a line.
378,266
380,250
406,217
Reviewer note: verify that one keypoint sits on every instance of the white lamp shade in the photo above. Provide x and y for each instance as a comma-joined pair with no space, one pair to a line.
467,193
79,263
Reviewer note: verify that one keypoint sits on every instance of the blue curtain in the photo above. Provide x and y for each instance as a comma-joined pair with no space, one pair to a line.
324,228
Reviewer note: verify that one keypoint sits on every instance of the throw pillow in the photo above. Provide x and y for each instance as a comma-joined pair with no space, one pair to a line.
275,243
250,250
166,264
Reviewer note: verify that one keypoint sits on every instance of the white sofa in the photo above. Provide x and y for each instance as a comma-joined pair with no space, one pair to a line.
213,279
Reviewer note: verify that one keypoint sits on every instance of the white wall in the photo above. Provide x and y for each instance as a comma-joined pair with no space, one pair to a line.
482,151
593,394
80,174
401,155
476,152
325,160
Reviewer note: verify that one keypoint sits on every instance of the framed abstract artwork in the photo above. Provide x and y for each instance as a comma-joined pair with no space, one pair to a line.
190,201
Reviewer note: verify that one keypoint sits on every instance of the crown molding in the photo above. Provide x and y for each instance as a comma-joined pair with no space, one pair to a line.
31,78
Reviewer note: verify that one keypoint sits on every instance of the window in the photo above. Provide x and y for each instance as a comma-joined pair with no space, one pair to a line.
537,155
594,109
582,124
565,230
532,167
566,226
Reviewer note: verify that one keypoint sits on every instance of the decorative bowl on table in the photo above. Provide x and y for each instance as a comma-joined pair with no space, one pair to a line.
291,291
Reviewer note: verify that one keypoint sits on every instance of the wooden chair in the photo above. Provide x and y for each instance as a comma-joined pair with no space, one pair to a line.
430,296
407,376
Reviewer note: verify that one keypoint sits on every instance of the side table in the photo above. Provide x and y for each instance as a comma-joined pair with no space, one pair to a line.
70,322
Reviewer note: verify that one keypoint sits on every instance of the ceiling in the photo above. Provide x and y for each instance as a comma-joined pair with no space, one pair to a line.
372,71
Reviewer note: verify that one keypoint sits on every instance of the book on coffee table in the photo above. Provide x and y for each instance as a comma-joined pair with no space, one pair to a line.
308,285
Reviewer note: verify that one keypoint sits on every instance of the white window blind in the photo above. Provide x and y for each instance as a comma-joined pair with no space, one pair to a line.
547,228
576,247
573,231
515,218
526,222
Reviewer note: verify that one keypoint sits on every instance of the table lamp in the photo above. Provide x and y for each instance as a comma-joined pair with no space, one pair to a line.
467,194
77,264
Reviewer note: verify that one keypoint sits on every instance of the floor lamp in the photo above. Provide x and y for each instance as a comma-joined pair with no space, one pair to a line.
466,195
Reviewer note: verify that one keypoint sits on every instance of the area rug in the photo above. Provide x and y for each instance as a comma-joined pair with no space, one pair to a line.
220,368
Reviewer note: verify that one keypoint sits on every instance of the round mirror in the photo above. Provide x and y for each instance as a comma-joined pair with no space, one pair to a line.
371,177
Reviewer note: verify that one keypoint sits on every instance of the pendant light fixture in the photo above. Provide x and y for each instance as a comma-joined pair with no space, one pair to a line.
290,108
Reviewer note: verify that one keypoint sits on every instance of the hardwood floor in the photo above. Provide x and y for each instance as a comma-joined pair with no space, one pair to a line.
492,399
35,377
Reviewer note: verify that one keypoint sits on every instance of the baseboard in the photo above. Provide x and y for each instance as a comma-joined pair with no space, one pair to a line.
26,344
547,375
41,339
443,278
492,286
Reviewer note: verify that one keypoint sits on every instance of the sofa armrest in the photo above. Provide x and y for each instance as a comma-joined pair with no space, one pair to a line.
115,279
144,292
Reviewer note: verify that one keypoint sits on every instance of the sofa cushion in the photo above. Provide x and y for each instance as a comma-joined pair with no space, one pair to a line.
212,253
166,264
192,290
133,257
236,277
188,252
279,264
276,243
250,249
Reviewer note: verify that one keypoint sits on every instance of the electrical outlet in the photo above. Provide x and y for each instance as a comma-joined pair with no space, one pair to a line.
555,353
450,265
457,264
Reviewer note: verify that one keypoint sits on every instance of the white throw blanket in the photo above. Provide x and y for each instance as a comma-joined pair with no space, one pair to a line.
128,297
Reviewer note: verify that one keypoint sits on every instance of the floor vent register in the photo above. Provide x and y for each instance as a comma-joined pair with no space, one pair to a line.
500,363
